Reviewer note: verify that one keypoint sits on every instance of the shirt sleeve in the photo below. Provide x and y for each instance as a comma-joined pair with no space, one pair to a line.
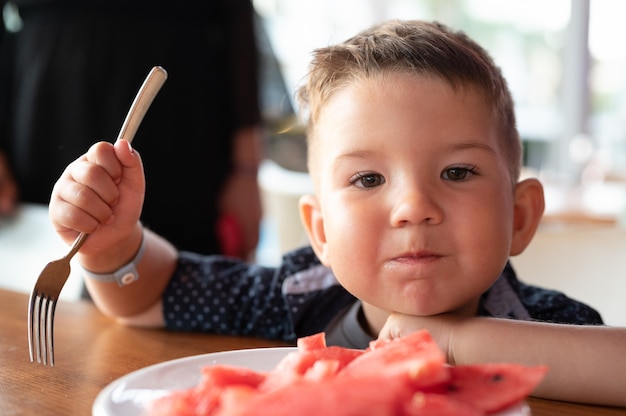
511,298
217,294
553,306
221,295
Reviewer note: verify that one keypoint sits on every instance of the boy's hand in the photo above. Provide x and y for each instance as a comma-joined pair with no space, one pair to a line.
100,193
440,327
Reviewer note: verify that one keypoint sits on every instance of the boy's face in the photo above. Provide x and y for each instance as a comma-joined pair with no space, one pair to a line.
414,209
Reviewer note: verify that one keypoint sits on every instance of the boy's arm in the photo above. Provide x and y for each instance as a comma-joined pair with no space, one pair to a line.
138,303
101,193
586,362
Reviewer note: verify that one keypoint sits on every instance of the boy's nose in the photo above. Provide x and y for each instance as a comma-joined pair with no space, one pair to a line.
415,206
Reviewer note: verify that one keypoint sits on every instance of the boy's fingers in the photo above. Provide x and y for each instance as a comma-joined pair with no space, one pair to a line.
103,155
66,216
86,200
127,155
95,179
130,159
91,188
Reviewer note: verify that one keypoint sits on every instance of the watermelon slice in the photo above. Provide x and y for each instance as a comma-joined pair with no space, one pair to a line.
404,377
313,361
415,358
492,387
312,342
207,395
344,396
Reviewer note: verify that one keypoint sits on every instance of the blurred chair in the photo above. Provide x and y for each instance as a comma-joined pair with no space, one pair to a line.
27,243
585,262
282,229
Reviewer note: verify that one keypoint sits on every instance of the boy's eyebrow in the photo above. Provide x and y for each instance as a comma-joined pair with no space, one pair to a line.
469,145
472,145
356,154
349,155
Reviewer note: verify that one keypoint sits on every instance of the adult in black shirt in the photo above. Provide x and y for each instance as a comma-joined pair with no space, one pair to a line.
70,73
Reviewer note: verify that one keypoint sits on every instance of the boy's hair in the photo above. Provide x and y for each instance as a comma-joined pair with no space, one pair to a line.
413,47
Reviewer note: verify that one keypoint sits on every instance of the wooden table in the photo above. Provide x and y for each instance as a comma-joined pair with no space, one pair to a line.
91,351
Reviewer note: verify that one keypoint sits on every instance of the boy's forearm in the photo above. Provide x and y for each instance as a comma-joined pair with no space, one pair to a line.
582,359
155,269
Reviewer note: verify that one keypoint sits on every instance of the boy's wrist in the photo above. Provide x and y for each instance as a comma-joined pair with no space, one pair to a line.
124,275
110,260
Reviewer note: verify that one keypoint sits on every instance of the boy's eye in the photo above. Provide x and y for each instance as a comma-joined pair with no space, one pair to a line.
457,173
367,180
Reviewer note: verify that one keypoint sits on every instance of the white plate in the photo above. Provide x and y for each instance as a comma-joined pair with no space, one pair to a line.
129,395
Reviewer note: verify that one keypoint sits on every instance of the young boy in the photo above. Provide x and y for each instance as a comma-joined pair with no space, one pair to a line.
415,159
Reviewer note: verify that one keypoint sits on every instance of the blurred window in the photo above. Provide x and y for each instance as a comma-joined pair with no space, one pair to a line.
570,98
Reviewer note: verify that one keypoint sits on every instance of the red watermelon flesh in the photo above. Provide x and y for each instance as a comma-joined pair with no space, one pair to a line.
207,395
343,396
312,342
417,358
313,361
407,376
491,387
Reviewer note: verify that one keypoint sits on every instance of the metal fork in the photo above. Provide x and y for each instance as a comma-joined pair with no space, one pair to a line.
45,294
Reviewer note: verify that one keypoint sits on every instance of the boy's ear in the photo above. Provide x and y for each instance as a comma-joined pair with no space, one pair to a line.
313,221
528,210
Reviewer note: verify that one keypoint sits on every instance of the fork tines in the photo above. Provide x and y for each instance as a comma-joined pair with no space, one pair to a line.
40,328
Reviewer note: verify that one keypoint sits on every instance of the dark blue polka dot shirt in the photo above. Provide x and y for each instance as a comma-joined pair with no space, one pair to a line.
301,297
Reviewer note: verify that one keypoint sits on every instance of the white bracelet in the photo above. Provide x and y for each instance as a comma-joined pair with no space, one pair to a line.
125,275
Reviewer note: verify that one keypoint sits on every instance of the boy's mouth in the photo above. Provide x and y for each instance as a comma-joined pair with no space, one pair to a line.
416,257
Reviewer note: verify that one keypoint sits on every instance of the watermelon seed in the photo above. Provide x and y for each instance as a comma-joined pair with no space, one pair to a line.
497,378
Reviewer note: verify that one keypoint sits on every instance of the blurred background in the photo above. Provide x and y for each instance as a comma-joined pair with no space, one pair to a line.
566,66
563,60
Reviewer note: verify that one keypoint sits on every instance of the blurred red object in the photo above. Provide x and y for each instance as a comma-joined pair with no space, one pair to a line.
230,236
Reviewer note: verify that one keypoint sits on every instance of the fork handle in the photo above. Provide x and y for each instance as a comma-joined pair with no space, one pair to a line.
77,245
148,90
